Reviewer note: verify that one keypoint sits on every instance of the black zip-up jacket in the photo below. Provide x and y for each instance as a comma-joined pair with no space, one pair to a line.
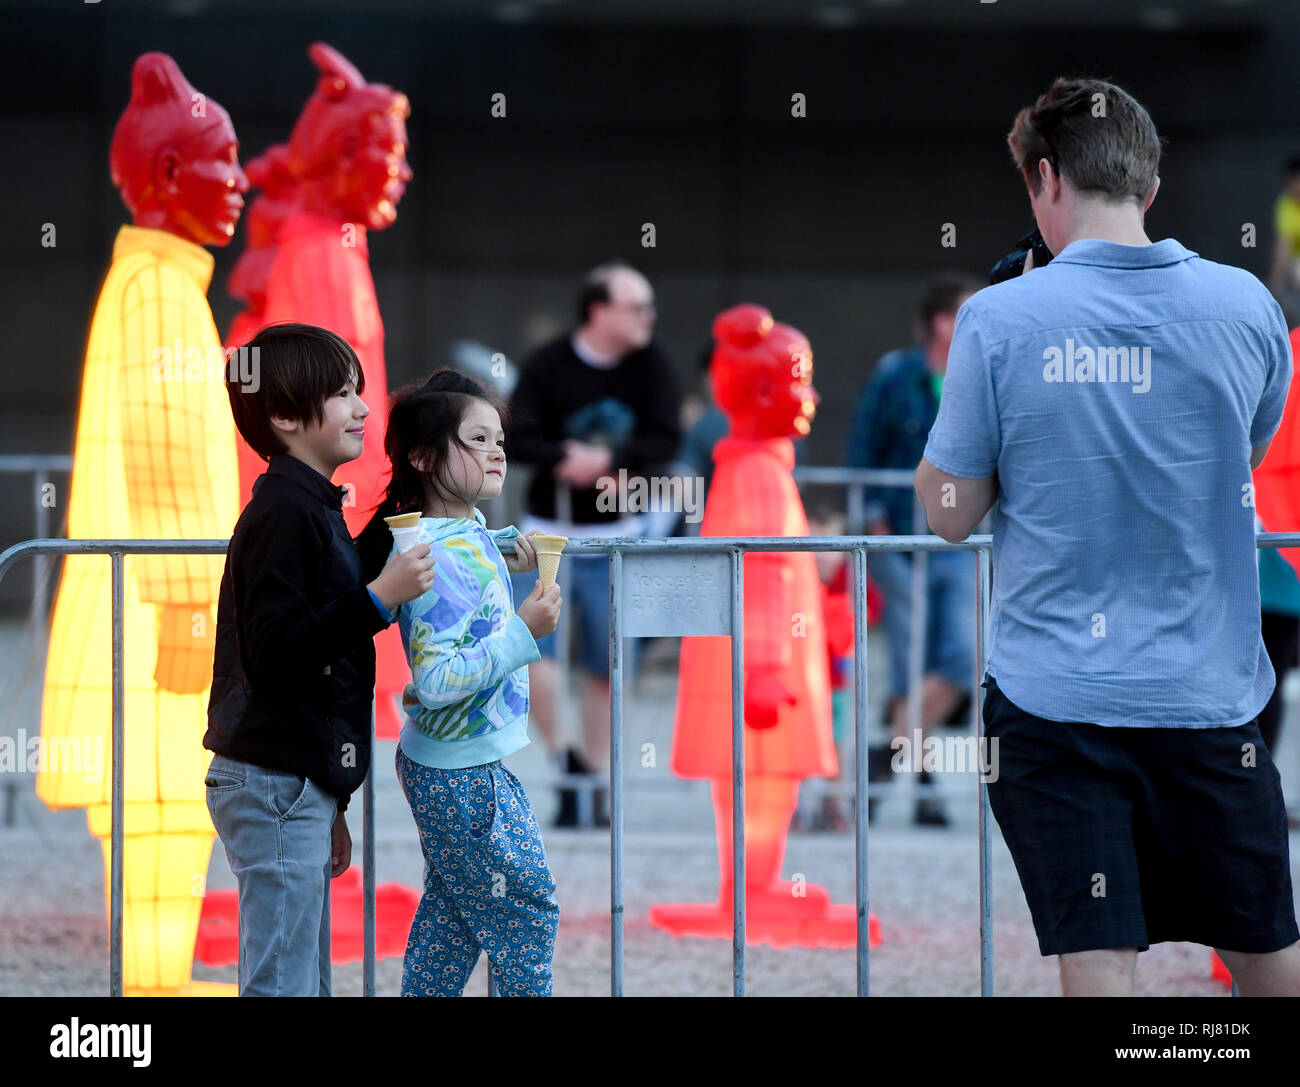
293,675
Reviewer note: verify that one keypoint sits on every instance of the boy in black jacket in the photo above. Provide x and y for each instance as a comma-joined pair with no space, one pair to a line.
294,671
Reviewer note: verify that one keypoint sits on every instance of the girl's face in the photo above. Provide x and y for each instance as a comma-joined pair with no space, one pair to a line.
479,472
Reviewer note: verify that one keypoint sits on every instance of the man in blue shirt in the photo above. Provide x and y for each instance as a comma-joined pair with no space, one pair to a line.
1114,404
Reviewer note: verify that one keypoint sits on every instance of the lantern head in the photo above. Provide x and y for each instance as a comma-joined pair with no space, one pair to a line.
762,375
174,156
349,144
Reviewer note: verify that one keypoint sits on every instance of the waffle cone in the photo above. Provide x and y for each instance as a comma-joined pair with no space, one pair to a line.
547,567
549,549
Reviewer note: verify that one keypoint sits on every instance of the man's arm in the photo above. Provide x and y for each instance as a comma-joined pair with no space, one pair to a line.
1257,454
954,506
966,437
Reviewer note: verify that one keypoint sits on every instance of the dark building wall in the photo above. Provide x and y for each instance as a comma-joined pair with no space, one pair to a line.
832,220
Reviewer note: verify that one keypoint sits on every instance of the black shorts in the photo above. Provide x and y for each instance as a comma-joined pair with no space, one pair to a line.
1127,837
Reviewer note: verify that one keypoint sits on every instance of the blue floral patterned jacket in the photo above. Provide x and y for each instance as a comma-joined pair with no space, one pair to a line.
467,702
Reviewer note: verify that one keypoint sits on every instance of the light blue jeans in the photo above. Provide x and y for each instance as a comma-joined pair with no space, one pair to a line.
950,622
276,828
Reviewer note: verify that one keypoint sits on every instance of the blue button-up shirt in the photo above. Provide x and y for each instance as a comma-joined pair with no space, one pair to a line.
1117,392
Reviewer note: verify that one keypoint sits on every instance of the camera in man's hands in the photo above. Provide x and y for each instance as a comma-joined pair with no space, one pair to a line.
1013,264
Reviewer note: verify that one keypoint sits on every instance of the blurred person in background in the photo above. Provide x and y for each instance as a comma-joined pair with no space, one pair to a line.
835,571
600,398
1284,274
894,415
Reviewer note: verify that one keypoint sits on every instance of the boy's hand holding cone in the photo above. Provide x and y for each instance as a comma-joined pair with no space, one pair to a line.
405,528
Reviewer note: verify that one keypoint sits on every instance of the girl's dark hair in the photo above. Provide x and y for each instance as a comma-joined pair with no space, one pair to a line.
423,419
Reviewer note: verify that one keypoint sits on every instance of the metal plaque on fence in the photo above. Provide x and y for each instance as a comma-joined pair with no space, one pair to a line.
666,595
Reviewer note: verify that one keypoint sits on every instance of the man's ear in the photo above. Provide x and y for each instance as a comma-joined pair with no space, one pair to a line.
1048,178
288,426
1152,194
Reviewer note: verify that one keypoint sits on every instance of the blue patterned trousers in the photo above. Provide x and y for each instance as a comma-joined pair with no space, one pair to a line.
486,884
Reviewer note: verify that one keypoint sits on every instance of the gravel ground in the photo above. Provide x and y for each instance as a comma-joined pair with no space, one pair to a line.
924,890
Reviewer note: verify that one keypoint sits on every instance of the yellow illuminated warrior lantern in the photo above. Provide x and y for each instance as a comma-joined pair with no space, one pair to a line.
154,458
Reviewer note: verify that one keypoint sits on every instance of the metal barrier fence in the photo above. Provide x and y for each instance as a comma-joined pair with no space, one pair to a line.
855,481
718,608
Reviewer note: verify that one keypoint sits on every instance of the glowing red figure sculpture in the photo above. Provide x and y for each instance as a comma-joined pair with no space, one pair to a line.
1277,479
276,201
155,458
1277,502
348,156
762,380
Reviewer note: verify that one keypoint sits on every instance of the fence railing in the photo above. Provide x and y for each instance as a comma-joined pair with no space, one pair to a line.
717,565
855,481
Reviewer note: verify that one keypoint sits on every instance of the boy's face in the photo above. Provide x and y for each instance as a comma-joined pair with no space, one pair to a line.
336,439
480,471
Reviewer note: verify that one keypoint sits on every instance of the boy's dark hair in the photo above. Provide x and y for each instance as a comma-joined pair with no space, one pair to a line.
1291,167
298,368
424,420
943,293
1094,134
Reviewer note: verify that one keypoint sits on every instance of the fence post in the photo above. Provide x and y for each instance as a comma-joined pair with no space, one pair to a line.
40,596
616,776
916,634
119,756
977,705
738,771
368,869
860,764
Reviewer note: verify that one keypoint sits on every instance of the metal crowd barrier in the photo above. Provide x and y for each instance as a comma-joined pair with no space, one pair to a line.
717,565
855,481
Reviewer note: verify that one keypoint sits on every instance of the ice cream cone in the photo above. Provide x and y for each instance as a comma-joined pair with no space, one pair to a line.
549,549
405,528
